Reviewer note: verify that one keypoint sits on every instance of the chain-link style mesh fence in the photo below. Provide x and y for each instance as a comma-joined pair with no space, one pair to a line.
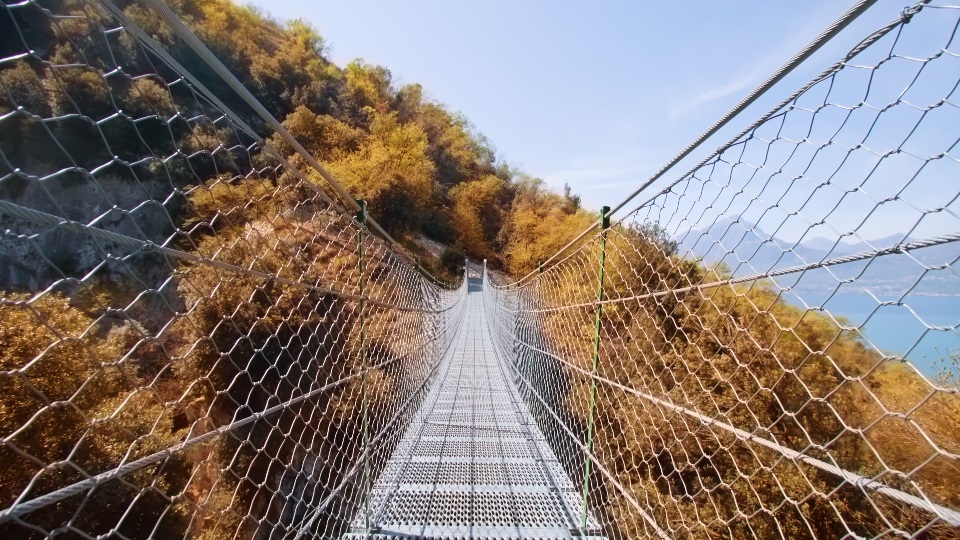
758,350
195,340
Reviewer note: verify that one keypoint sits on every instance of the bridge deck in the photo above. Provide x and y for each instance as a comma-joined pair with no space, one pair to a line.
473,464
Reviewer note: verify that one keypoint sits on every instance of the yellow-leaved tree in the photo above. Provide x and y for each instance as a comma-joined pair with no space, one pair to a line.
477,215
540,223
391,171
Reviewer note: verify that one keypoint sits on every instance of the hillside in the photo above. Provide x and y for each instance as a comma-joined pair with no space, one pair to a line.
421,166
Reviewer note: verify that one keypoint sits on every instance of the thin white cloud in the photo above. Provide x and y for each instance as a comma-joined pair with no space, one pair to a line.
745,79
739,84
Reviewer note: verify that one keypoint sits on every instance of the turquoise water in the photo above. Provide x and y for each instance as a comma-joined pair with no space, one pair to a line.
923,328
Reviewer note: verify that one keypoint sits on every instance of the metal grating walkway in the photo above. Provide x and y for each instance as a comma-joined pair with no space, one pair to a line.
473,464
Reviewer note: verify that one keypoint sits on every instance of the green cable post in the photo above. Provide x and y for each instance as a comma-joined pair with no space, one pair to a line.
605,224
540,267
362,219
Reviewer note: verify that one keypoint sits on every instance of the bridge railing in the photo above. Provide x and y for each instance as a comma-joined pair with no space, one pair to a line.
195,339
767,346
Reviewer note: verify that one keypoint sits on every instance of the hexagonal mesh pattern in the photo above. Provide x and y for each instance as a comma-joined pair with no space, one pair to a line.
197,340
768,344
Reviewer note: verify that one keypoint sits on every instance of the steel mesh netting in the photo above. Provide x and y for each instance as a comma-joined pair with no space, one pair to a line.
772,359
195,340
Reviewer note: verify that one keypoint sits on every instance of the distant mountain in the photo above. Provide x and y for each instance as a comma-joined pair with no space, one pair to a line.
745,249
820,243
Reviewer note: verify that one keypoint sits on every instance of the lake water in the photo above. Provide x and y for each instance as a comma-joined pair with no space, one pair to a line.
924,328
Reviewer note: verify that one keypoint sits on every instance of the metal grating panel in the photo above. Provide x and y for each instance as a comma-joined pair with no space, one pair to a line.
472,535
465,473
484,509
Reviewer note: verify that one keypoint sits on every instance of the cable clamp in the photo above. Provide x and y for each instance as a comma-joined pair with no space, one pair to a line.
908,13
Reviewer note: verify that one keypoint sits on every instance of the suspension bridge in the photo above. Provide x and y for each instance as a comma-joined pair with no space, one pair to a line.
204,337
472,462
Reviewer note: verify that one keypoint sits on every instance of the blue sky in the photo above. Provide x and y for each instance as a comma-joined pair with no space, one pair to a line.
597,94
